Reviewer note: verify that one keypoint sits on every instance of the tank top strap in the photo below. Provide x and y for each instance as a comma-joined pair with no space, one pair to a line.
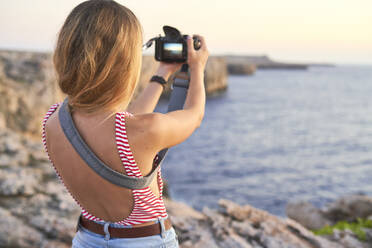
46,117
123,146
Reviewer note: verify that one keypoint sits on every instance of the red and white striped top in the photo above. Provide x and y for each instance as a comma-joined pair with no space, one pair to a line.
147,206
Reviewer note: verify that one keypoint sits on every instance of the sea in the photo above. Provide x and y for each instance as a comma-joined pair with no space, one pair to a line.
276,137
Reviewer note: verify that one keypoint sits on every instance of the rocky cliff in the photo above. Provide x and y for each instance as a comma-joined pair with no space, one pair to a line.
28,86
41,213
260,62
238,68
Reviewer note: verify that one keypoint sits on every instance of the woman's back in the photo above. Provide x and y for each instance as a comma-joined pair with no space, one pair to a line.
105,140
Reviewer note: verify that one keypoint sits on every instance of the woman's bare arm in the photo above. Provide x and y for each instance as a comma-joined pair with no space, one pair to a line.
166,130
149,97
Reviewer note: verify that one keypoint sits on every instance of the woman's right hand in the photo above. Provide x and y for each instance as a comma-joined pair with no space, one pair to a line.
197,59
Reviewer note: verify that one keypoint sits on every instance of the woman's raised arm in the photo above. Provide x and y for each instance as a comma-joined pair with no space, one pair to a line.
172,128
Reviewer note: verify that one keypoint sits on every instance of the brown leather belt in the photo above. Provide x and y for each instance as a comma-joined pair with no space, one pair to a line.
134,232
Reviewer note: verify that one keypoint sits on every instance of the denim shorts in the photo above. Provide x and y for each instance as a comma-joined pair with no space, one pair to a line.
88,239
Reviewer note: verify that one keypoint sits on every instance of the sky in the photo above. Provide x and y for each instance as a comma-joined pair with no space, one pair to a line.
335,31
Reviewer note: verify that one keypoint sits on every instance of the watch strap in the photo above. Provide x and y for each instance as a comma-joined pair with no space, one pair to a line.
159,80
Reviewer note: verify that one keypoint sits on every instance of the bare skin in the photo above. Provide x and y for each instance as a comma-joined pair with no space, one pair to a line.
98,196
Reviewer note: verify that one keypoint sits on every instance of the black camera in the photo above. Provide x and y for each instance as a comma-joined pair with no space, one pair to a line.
173,46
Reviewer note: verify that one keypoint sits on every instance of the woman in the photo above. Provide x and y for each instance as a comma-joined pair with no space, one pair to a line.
97,59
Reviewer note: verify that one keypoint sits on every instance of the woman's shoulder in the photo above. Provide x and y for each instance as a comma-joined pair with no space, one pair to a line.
140,120
51,110
47,120
142,123
54,106
124,113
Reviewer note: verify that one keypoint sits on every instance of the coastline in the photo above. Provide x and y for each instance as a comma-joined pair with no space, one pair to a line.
264,62
33,200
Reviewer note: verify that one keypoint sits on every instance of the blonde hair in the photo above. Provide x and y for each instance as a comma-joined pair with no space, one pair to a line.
98,56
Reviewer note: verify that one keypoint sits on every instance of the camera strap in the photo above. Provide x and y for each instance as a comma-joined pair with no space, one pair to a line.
149,43
73,136
177,99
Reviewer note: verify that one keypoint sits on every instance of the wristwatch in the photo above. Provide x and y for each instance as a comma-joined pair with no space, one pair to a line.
159,80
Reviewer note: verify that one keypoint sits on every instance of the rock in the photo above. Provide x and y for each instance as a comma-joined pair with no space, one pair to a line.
349,208
368,232
6,161
235,241
215,75
54,244
239,226
219,224
14,233
27,70
27,206
61,199
306,214
55,227
187,223
241,69
17,181
10,143
238,64
346,208
181,210
48,171
347,239
19,158
38,156
22,75
307,236
245,230
12,151
43,213
274,231
234,210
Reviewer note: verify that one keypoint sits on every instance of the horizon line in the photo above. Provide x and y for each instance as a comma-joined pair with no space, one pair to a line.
305,61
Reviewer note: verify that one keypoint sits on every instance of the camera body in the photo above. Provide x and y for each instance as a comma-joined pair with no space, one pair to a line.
173,46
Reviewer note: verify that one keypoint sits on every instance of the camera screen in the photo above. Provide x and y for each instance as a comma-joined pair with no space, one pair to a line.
173,50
